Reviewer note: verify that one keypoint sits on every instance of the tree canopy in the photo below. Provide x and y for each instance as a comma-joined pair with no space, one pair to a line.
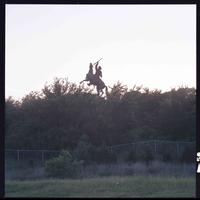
62,112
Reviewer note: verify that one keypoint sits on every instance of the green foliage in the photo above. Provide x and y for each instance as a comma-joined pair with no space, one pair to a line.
90,154
117,187
63,166
104,155
58,117
167,156
132,157
84,150
188,155
145,155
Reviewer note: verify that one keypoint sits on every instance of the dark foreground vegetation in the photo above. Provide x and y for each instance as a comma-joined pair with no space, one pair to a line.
72,119
66,116
62,169
63,114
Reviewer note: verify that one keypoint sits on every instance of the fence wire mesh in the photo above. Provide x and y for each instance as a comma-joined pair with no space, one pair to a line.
157,148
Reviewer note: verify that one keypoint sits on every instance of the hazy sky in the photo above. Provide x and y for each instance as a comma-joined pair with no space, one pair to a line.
149,45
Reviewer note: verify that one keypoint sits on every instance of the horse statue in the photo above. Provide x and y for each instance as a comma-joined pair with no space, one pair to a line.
96,81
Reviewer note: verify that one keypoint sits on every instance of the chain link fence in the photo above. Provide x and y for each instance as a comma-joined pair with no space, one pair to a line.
38,155
160,149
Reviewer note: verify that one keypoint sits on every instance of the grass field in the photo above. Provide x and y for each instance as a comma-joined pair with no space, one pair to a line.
130,186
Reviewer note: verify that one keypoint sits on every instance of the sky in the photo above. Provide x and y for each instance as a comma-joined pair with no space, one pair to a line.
149,45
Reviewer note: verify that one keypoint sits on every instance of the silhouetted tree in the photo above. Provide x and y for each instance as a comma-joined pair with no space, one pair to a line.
59,115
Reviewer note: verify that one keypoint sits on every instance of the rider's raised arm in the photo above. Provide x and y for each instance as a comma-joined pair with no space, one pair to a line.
96,66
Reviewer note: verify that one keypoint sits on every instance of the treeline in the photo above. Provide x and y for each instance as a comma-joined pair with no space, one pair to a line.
63,113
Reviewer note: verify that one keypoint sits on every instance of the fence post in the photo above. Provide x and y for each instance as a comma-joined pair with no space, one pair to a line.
155,147
18,155
177,149
42,156
133,147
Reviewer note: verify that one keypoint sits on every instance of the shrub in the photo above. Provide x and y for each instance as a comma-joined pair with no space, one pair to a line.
146,155
132,156
63,166
104,155
91,154
188,156
84,150
122,156
168,156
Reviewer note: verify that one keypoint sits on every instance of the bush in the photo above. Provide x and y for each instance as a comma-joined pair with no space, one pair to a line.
63,166
84,150
188,156
104,155
146,155
122,157
91,154
132,156
168,156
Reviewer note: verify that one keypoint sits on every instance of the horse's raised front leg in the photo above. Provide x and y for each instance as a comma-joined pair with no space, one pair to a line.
82,81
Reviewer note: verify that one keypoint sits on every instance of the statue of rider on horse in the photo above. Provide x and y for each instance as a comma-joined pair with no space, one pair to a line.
95,79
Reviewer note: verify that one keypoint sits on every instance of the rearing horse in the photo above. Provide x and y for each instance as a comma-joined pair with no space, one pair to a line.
94,80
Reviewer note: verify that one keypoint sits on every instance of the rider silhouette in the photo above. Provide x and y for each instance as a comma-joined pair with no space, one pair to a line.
98,72
93,78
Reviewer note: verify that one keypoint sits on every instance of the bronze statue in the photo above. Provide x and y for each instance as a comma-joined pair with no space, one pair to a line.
94,79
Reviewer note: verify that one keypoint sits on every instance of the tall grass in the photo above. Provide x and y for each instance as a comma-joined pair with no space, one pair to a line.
155,168
127,186
23,170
